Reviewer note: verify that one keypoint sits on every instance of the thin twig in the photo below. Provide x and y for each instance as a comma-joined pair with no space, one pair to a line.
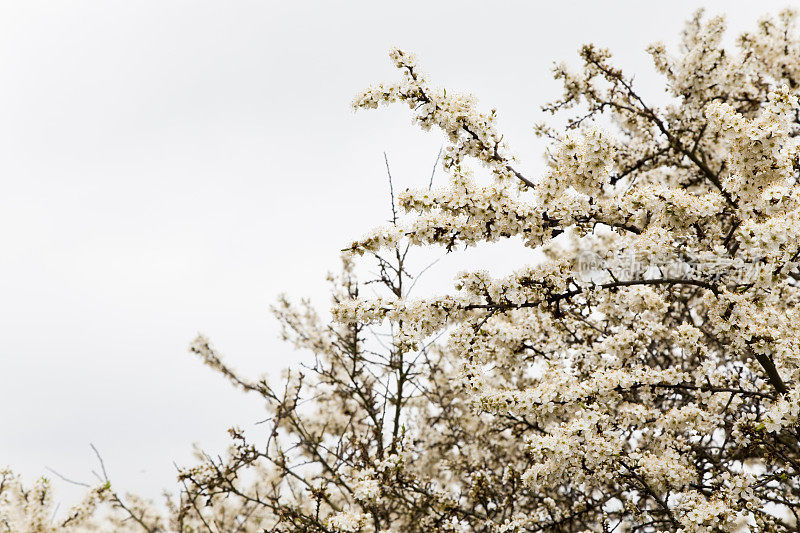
73,482
435,164
100,460
391,188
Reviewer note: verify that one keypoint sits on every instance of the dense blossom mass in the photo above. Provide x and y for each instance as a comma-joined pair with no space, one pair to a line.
658,383
643,376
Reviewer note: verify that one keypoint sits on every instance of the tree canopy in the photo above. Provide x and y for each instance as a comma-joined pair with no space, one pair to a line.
643,376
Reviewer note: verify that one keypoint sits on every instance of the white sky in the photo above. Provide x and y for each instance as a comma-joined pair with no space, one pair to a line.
168,168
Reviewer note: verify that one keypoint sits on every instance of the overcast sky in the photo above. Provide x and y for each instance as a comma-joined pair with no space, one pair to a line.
170,167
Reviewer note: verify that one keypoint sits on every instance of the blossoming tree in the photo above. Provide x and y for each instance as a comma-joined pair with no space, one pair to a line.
643,376
658,384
